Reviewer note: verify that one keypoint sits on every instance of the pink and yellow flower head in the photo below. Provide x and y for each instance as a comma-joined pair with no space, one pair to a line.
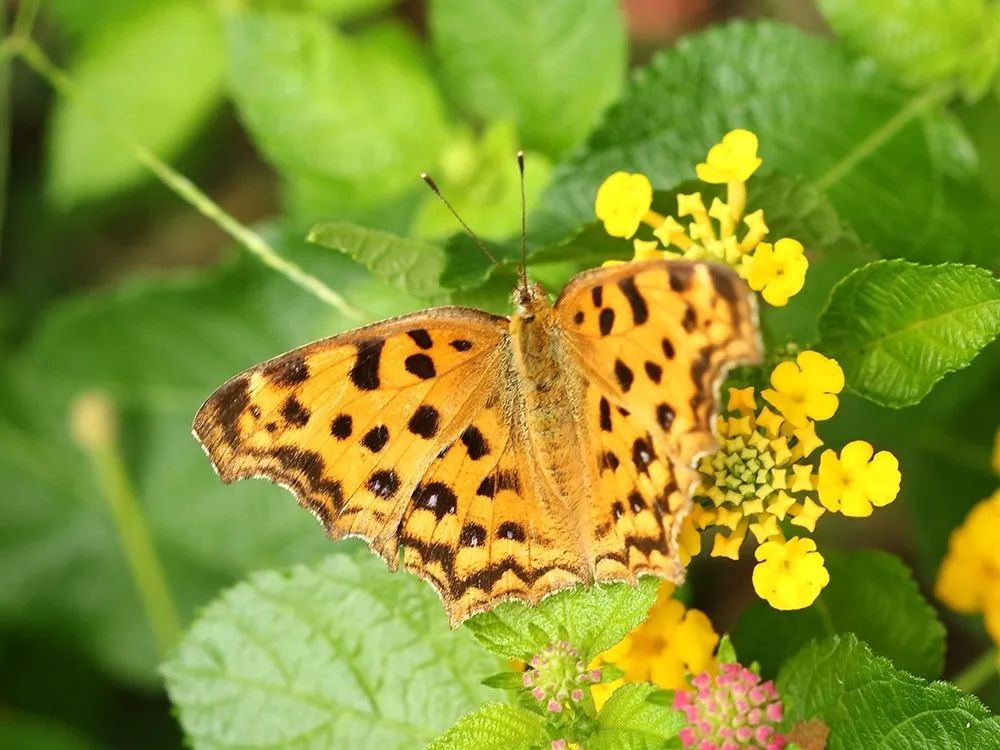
723,231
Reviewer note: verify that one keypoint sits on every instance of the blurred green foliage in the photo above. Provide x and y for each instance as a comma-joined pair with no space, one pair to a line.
881,140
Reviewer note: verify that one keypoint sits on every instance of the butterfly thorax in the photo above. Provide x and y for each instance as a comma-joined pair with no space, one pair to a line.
550,388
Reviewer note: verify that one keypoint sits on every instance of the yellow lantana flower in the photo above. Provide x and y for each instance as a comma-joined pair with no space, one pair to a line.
858,480
790,574
806,389
723,231
777,271
670,644
732,160
969,578
622,202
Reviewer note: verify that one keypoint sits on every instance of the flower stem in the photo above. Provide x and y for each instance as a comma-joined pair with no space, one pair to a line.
94,425
888,130
35,57
980,672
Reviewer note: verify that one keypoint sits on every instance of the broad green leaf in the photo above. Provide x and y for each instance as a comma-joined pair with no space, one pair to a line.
551,66
628,721
897,328
157,74
592,618
871,594
337,10
867,702
495,726
353,112
414,266
27,733
917,41
814,109
158,348
339,654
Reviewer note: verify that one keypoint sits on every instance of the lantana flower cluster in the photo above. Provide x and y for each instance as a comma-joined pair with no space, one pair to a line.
557,677
969,578
730,711
723,232
764,482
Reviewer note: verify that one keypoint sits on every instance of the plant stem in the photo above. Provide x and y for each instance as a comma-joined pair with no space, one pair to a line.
24,21
879,137
980,672
143,563
35,57
5,122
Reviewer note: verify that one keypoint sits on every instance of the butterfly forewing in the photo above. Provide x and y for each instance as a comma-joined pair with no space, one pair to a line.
351,423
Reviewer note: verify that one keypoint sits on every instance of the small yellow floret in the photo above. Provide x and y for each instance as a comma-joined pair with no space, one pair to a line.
777,271
622,201
806,388
734,159
790,574
857,480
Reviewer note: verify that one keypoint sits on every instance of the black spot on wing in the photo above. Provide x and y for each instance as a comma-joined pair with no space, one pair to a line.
424,421
472,535
421,338
287,371
640,312
500,480
420,365
609,461
341,426
665,416
511,530
668,349
680,276
606,320
294,413
436,497
636,502
384,483
624,375
654,372
365,372
605,414
724,285
475,443
376,438
597,295
578,317
642,455
460,345
690,319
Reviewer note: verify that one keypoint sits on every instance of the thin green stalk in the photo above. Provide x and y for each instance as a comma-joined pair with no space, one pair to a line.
95,430
980,672
24,21
38,61
886,132
5,119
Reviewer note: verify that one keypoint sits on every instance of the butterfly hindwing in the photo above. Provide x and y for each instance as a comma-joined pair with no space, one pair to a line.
351,423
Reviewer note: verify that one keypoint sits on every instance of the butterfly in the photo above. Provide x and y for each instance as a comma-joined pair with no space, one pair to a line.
503,458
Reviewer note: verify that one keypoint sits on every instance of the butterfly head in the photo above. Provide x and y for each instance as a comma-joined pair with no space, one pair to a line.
530,301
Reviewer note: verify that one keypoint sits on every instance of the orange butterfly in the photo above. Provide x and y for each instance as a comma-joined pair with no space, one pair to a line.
509,457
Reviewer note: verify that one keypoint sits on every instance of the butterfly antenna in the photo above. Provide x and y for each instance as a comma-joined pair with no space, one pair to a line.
468,230
522,271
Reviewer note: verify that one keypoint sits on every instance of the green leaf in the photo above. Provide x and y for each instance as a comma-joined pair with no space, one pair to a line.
495,726
628,721
414,266
871,594
814,109
344,111
505,681
26,733
592,618
479,177
339,654
867,702
897,328
158,73
918,42
337,10
551,66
